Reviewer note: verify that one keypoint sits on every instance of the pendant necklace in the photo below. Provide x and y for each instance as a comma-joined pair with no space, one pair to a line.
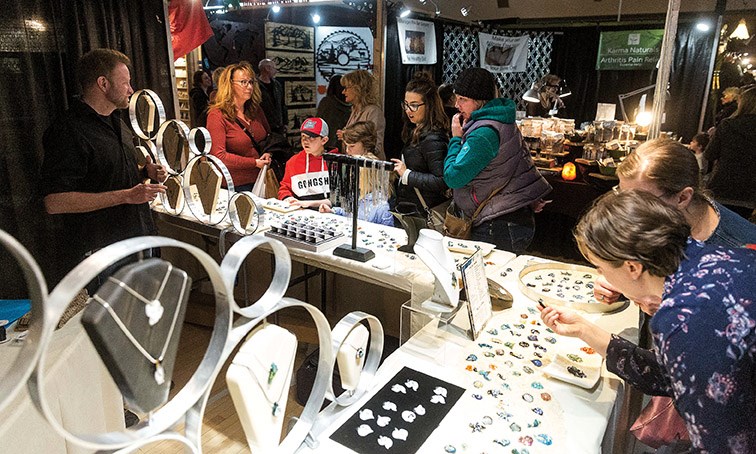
159,373
272,372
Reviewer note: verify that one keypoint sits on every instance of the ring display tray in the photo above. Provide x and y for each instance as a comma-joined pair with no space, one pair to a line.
302,235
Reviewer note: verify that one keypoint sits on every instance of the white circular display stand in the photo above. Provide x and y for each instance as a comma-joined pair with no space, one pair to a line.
193,392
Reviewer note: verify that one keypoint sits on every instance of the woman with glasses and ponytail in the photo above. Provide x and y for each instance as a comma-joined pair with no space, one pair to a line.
238,125
426,136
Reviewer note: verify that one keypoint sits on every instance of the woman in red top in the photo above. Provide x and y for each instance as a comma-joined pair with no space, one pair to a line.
237,125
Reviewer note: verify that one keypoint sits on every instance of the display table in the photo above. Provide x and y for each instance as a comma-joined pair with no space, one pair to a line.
81,394
390,268
577,419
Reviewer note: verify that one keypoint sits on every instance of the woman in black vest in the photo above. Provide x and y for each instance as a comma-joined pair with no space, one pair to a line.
489,165
425,135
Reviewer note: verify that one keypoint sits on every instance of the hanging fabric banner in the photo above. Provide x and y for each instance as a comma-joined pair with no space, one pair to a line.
629,49
417,41
189,26
503,54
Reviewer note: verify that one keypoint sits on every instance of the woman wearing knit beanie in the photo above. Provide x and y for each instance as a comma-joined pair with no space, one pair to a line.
486,154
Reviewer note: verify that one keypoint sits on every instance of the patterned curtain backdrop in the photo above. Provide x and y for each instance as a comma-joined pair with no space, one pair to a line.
461,52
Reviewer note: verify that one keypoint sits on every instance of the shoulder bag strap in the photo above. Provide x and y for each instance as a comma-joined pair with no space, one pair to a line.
488,199
249,134
422,200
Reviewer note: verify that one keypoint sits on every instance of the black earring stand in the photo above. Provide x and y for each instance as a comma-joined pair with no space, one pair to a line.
356,253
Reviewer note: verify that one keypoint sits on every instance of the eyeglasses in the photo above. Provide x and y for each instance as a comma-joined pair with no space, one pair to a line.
412,107
244,82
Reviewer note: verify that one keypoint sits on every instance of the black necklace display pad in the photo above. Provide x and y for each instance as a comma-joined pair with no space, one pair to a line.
418,431
133,373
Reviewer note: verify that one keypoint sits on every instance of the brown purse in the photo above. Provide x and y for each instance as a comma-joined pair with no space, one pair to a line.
456,225
659,424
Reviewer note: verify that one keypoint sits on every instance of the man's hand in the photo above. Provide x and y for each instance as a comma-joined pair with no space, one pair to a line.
155,172
325,208
310,203
143,193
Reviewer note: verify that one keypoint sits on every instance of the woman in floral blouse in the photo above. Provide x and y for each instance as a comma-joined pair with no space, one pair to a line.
704,330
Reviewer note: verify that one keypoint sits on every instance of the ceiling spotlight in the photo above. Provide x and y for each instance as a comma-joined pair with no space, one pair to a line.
465,10
423,2
316,18
403,10
703,27
276,9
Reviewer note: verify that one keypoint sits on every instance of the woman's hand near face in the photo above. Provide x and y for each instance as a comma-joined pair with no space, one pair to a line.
340,134
604,292
399,166
456,125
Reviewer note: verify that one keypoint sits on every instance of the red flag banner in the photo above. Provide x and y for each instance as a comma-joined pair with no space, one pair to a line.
189,26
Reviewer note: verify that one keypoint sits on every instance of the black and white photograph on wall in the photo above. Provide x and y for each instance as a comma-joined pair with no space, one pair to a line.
233,42
414,42
339,51
293,64
300,92
296,117
417,41
289,37
503,54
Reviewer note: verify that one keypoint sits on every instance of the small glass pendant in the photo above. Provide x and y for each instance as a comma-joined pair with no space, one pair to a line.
276,409
159,374
272,372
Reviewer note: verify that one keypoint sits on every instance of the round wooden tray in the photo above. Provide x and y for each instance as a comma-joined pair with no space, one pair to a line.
585,303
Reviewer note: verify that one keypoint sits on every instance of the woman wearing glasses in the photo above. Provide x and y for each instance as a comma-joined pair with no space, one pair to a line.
490,168
668,170
361,90
426,136
549,103
238,125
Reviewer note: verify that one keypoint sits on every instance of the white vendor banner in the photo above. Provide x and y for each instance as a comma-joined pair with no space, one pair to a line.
503,54
339,50
417,41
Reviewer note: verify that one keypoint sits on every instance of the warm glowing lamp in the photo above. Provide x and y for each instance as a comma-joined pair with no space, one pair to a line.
569,172
644,118
741,31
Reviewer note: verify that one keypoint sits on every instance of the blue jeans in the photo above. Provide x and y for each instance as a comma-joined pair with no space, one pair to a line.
511,232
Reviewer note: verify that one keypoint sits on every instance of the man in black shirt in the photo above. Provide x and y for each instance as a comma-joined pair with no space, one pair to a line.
90,176
273,102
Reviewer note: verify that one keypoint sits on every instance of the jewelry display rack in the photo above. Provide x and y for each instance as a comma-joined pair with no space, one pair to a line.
355,162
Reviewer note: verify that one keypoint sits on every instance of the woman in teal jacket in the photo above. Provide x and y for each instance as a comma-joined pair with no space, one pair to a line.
487,153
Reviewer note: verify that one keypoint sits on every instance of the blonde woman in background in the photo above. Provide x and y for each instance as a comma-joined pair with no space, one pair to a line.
361,90
238,125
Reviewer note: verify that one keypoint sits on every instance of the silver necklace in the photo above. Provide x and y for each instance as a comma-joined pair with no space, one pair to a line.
272,371
159,373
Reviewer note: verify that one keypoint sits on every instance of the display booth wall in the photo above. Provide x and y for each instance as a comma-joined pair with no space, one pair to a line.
40,43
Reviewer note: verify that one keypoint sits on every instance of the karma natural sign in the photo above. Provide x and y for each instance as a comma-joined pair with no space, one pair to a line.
629,50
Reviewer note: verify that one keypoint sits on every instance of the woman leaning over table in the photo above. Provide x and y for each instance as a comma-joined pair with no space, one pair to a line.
668,170
704,330
487,153
238,125
361,90
426,137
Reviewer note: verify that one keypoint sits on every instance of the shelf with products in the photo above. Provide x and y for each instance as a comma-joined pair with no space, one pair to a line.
182,88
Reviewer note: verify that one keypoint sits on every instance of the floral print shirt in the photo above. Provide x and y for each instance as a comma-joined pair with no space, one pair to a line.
705,339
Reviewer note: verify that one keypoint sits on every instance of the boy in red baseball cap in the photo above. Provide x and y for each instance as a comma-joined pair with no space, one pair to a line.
305,181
